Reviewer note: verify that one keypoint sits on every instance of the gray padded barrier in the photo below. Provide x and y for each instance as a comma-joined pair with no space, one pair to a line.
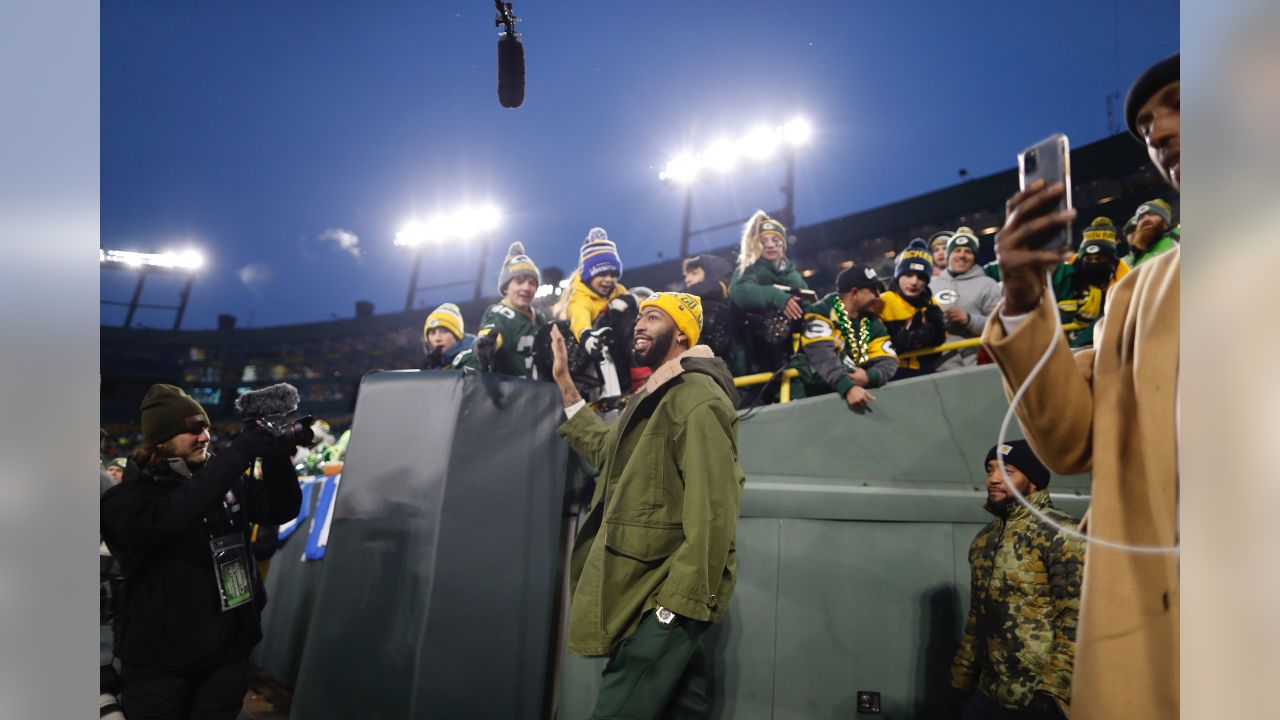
438,592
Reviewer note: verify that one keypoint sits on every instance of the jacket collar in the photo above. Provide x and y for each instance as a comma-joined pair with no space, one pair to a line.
971,272
1039,499
673,368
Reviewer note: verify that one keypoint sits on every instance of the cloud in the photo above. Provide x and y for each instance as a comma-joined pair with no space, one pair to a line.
346,240
254,275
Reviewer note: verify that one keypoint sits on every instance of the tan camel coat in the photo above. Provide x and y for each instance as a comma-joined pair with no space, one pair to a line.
1112,410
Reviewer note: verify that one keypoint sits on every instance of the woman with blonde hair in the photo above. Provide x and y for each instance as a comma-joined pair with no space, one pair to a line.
762,265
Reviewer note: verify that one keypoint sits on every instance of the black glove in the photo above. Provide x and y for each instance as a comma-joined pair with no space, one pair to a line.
484,348
433,358
257,442
1043,706
593,342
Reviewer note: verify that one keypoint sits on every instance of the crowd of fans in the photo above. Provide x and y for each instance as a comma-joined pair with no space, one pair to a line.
761,316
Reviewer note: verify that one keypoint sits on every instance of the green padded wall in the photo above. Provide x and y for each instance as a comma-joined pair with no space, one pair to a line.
852,553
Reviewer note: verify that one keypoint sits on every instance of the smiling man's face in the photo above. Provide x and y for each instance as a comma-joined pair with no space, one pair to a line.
1159,123
653,337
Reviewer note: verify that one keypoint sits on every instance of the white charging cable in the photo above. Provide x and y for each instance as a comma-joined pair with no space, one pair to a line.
1004,429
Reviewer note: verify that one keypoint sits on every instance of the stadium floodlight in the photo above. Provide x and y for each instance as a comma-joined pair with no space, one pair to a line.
188,260
797,132
182,262
722,156
683,169
463,224
411,235
761,143
468,223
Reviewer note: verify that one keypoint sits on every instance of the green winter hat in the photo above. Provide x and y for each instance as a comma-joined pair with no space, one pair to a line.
167,411
1157,207
963,237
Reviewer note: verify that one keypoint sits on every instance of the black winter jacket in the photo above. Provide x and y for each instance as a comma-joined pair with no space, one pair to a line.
158,526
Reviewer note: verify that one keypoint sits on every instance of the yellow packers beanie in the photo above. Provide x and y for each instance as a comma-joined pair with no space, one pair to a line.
684,309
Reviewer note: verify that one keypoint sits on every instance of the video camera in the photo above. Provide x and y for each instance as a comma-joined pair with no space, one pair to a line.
269,408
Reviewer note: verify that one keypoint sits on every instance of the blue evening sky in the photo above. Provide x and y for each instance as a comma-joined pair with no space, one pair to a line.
289,141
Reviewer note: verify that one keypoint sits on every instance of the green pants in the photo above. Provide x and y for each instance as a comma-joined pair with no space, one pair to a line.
658,672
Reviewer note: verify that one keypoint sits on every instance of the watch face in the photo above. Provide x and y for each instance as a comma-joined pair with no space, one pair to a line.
665,616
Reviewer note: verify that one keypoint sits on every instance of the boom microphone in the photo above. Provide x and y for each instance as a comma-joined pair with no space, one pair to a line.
510,58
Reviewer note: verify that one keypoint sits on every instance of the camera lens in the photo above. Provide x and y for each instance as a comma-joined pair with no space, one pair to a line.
1029,163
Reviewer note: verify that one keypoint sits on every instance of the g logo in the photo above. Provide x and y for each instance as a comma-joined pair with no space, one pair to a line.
947,296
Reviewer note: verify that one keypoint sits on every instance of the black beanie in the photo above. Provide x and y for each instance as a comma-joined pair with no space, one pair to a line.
1019,454
1149,83
165,412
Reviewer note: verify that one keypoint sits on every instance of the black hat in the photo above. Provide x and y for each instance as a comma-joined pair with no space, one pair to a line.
857,276
1149,83
1019,454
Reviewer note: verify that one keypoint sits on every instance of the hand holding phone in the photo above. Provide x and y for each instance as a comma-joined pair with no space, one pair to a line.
1037,226
1049,161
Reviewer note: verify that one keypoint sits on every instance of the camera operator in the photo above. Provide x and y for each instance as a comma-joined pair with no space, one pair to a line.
178,524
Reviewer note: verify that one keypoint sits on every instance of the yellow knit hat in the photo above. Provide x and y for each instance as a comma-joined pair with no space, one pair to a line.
447,316
684,309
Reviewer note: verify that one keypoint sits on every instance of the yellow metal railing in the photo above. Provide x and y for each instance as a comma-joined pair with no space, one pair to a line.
784,390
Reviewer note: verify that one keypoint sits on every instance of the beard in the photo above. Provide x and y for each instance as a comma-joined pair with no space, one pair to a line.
657,352
1096,274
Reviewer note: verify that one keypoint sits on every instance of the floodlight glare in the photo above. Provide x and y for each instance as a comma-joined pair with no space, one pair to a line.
722,156
489,218
797,132
184,260
411,235
761,143
683,169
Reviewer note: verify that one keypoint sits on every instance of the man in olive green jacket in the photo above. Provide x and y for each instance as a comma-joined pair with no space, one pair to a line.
654,563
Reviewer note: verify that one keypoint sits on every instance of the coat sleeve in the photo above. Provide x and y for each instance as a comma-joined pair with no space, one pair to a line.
1057,410
586,433
747,292
964,666
579,312
277,497
707,455
133,521
1064,562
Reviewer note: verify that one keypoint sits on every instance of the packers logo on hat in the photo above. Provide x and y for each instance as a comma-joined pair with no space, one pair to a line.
1093,250
962,240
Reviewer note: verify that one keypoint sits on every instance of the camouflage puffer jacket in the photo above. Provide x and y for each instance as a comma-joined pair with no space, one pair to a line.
1020,636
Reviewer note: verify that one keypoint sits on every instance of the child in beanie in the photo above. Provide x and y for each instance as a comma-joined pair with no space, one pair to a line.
593,289
910,314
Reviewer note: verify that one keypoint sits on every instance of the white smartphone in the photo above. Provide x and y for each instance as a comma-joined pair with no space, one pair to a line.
1049,160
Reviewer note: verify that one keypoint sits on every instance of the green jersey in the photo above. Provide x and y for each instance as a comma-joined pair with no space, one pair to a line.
515,332
824,363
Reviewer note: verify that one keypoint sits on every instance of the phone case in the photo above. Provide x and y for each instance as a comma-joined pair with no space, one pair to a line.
1049,160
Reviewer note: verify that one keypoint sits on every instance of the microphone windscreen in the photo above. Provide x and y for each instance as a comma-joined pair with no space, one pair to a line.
278,399
510,71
